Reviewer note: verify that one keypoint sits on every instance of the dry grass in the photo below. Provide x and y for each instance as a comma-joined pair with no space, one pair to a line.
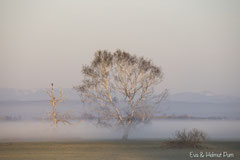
104,150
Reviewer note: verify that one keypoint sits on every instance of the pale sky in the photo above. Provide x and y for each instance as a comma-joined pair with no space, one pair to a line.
196,42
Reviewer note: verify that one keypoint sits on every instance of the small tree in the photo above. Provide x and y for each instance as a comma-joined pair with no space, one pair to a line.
55,101
121,86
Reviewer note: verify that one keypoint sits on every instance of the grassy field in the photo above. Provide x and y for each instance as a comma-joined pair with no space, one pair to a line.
109,150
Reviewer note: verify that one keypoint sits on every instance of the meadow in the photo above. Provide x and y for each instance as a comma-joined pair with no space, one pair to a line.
110,150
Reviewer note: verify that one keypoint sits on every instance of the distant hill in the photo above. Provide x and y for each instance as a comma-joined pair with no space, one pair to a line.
203,97
7,94
33,104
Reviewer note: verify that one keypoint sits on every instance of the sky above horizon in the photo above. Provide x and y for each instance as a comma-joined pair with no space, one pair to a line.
196,42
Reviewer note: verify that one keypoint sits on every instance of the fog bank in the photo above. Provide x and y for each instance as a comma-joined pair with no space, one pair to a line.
80,131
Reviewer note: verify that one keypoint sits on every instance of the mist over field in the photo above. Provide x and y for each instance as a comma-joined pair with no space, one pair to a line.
22,118
85,130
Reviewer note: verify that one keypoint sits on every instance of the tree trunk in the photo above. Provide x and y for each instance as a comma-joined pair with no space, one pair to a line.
54,112
125,133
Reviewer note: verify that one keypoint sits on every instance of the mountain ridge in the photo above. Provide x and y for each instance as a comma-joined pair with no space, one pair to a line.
11,94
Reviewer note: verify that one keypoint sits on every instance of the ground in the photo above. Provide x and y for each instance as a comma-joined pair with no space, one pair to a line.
110,150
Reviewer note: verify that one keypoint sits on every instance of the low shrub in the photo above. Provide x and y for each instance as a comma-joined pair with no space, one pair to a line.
193,138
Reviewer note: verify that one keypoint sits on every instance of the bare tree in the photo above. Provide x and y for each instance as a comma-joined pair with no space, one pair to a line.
121,86
55,101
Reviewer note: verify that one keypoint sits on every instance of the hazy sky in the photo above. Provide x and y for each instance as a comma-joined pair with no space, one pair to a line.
196,42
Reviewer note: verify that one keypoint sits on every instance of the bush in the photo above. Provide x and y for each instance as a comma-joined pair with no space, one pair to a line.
193,138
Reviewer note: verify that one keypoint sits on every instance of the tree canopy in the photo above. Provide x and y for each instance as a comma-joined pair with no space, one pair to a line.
122,87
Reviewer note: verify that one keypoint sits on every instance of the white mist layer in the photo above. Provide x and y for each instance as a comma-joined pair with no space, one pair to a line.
78,131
